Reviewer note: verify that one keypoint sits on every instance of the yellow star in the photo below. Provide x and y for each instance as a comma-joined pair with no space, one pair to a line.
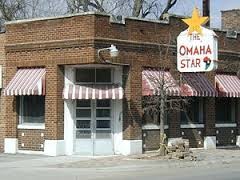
195,22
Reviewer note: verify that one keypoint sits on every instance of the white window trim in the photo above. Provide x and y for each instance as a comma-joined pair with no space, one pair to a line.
152,127
31,126
220,125
192,126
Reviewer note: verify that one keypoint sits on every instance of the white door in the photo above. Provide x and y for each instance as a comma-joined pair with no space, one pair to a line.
93,127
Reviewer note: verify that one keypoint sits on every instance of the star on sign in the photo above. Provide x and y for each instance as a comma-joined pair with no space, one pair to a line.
195,22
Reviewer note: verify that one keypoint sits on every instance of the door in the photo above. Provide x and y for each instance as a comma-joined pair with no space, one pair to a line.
93,127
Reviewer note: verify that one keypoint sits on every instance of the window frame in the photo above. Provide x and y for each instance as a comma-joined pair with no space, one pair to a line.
95,69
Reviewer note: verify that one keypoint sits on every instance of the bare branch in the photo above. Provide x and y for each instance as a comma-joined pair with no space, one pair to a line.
170,4
137,7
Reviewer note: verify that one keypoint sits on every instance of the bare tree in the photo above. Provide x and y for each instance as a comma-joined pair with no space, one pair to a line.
170,4
12,9
25,9
163,101
137,7
143,8
76,6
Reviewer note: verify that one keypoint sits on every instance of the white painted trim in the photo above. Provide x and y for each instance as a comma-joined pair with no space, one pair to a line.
238,141
54,147
210,142
152,127
129,147
192,126
30,152
225,125
10,145
31,126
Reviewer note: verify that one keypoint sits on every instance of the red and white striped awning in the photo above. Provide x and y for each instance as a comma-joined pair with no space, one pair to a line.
196,84
96,91
153,79
29,81
227,85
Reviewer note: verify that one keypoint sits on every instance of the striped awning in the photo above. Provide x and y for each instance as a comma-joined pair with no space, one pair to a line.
96,91
196,84
29,81
155,80
227,85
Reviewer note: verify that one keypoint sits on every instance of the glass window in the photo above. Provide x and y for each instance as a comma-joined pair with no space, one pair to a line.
93,75
32,109
85,75
83,134
103,134
103,113
103,75
193,112
104,103
103,123
225,110
82,124
153,118
83,103
83,113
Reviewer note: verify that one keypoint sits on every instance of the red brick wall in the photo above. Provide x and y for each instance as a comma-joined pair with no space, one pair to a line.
30,139
151,139
2,98
226,136
195,136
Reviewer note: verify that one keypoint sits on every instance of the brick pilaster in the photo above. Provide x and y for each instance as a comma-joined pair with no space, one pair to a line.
174,125
132,112
210,117
54,103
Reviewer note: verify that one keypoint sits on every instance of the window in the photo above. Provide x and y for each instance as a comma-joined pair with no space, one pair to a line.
93,75
225,110
193,113
153,118
32,109
83,119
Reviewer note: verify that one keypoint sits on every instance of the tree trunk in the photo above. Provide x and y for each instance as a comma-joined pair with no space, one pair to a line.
170,4
162,134
137,8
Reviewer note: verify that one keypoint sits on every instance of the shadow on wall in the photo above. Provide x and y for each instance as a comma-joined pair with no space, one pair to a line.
132,117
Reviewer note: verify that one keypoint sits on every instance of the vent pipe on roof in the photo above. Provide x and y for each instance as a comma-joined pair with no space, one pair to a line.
206,10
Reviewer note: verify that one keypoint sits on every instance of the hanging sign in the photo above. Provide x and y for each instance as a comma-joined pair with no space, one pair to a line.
197,49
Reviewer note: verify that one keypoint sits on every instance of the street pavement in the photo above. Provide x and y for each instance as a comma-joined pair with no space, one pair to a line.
212,164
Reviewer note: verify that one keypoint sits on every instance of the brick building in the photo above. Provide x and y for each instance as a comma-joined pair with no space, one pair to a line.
230,19
60,97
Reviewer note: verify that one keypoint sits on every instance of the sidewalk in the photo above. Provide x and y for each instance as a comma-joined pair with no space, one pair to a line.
204,157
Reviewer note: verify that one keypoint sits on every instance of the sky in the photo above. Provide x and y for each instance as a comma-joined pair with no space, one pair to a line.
185,7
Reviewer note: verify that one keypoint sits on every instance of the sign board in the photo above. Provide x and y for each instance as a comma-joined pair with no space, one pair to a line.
197,47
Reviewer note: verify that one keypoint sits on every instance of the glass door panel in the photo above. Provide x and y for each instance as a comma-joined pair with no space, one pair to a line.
83,127
93,127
